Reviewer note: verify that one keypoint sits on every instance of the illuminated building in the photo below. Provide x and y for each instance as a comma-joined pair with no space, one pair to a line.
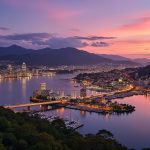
36,72
120,80
61,93
24,69
1,76
103,100
51,95
9,71
42,86
83,92
73,94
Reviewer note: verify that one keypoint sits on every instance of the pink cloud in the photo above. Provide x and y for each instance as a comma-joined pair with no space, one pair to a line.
49,9
53,11
136,24
62,14
139,24
134,41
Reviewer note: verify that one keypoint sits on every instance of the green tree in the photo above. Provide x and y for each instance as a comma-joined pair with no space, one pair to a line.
21,145
9,139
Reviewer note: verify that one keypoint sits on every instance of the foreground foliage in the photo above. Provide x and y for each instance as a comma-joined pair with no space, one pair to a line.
19,131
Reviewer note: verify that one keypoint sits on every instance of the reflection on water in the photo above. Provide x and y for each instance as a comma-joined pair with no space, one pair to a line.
82,113
14,91
10,85
61,111
107,116
131,129
23,84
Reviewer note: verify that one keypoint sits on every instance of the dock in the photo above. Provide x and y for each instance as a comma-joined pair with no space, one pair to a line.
70,124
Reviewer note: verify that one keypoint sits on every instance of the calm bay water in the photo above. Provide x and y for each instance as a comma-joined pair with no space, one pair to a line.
132,130
17,91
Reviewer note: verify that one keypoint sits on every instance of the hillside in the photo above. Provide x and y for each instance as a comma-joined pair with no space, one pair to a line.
19,131
143,72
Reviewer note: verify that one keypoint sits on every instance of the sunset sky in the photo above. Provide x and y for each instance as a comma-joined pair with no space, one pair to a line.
100,26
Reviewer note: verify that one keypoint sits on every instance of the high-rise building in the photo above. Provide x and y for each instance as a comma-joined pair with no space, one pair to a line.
93,93
24,69
61,94
73,94
42,86
9,69
83,92
36,72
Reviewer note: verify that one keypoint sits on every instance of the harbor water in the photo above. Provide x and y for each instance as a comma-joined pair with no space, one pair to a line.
132,130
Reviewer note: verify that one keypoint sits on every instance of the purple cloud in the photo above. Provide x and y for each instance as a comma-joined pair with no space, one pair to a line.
27,36
4,28
100,44
93,38
54,41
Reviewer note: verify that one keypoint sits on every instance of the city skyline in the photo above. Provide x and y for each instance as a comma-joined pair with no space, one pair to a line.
108,27
74,74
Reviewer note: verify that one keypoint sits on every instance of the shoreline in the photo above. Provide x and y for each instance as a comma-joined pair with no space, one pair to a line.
123,95
70,124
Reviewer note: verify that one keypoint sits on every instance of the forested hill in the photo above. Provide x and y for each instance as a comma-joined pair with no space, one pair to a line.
19,131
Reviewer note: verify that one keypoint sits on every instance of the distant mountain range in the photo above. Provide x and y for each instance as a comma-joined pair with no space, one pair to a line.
55,57
115,57
143,61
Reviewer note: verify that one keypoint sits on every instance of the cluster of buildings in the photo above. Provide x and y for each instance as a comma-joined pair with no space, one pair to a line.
22,71
116,80
44,94
103,67
16,71
83,93
107,81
